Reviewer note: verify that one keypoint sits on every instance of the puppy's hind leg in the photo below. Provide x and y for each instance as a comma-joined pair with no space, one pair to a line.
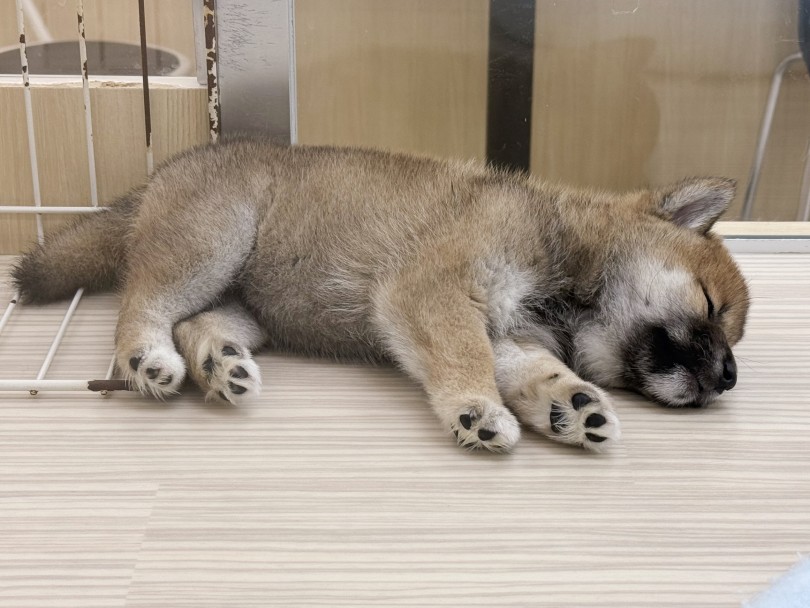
217,346
179,261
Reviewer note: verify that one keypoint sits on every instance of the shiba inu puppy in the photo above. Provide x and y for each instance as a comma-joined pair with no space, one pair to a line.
506,298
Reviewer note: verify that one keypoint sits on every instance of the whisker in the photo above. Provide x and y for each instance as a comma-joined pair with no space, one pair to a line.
747,362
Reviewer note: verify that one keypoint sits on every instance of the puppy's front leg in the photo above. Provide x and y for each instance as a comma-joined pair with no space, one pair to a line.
438,335
550,398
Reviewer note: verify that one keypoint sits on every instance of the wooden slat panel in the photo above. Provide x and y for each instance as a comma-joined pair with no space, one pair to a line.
178,121
15,171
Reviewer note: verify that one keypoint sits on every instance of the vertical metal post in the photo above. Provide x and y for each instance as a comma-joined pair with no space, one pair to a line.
29,118
764,134
292,81
210,31
804,197
88,115
147,112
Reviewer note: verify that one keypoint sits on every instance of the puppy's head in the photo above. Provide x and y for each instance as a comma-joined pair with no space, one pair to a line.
674,301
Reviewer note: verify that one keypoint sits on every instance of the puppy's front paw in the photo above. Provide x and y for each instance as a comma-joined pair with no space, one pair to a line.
481,423
565,408
585,418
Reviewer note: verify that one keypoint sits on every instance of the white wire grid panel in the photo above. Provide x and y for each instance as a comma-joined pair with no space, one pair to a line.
39,382
58,367
81,353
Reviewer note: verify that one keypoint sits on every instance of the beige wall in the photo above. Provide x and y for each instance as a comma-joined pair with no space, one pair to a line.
400,75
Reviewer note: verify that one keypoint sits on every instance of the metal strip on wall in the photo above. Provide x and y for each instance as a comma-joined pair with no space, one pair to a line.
209,24
256,66
510,82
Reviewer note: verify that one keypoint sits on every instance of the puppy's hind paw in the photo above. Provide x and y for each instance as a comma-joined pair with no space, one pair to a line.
158,371
229,374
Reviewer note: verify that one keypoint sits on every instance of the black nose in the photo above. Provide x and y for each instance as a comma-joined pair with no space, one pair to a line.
729,377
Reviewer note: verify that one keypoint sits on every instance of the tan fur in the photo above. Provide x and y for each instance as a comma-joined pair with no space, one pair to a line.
431,264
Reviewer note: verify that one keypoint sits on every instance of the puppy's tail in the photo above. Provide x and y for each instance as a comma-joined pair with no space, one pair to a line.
89,253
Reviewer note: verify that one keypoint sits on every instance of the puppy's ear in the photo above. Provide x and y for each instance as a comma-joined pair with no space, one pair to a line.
695,203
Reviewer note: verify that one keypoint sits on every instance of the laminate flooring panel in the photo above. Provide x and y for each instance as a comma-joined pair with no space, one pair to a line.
338,488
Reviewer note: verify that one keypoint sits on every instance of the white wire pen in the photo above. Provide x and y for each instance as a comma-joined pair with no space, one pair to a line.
108,383
57,340
40,383
21,209
60,334
7,314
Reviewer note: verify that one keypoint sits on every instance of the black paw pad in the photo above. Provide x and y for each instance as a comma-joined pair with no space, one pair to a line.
556,417
134,362
229,351
223,397
465,421
595,420
236,389
595,438
208,365
486,435
152,372
239,372
580,400
167,380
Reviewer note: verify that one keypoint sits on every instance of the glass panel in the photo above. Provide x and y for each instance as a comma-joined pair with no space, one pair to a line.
626,93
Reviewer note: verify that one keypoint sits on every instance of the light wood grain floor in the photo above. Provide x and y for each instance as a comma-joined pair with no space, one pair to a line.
337,488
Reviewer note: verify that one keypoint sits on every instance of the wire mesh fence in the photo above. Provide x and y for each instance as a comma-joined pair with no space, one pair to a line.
104,381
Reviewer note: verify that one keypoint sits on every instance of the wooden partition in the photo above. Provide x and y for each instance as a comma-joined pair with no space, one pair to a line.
626,93
179,115
179,120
